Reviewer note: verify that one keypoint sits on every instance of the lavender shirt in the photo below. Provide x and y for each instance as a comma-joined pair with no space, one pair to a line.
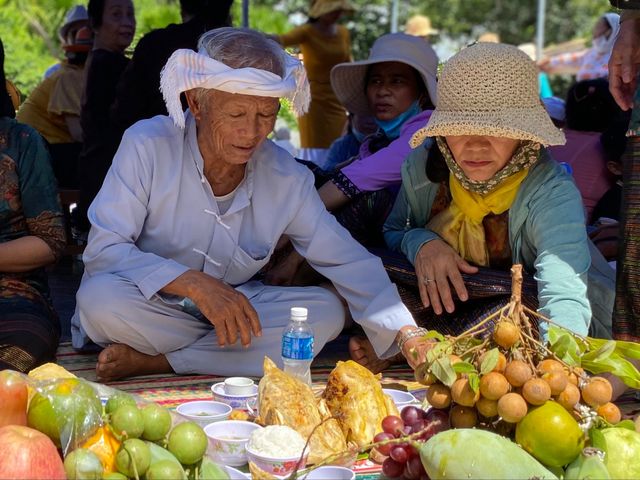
375,171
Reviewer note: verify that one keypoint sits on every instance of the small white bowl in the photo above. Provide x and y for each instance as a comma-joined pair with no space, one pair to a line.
235,474
242,402
238,386
279,466
400,398
330,472
204,412
228,440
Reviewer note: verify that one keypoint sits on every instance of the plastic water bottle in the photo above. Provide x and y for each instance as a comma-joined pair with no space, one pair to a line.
297,346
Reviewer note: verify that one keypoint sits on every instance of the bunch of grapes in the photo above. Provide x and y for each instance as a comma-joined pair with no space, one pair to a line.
518,381
403,459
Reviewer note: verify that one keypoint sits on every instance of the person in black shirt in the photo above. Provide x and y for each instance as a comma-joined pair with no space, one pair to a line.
114,24
138,94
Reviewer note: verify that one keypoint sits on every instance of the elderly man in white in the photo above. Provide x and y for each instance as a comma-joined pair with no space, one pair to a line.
192,209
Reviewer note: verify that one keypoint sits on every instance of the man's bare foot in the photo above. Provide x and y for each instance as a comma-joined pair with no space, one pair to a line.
118,361
362,351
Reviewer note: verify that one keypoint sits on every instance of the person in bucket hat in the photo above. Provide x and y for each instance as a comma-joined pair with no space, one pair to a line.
396,87
480,193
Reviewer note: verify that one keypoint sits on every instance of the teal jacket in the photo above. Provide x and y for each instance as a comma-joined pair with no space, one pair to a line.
547,236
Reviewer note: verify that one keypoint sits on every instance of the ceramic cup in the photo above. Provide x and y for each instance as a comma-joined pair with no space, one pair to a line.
238,386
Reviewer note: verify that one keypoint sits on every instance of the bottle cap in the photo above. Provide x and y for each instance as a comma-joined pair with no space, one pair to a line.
298,313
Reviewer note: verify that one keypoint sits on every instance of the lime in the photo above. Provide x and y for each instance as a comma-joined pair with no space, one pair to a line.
188,443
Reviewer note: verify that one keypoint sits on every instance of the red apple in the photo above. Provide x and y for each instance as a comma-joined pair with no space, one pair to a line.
13,398
28,454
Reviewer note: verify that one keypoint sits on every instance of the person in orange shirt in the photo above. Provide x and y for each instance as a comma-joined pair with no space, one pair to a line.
323,44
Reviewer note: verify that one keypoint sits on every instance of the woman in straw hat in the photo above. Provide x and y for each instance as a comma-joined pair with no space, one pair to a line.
191,210
323,43
396,87
490,196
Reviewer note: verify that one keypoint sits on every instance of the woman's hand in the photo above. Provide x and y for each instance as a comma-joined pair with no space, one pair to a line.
415,349
438,265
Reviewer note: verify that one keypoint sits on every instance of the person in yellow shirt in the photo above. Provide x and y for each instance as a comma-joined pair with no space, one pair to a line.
53,109
323,44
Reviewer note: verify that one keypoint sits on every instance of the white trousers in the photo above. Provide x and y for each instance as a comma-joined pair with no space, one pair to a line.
111,309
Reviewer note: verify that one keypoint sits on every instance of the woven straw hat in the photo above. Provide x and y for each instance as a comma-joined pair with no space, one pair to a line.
322,7
490,89
420,26
347,79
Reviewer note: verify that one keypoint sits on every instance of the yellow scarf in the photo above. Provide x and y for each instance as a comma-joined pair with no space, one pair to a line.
460,225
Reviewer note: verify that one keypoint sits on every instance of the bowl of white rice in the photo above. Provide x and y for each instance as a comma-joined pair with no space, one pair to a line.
277,449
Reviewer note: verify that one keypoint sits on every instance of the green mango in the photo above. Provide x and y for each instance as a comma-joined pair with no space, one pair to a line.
588,466
470,453
159,454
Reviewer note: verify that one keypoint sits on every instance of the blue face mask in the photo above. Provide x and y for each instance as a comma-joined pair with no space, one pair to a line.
392,127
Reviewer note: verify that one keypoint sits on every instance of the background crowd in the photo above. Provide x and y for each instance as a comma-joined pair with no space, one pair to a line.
393,141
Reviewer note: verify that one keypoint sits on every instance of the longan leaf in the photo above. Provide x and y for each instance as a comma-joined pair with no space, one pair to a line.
566,348
439,349
626,349
489,361
602,353
464,367
443,371
434,334
474,382
617,365
628,424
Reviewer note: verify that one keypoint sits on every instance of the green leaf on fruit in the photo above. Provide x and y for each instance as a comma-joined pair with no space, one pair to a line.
443,370
434,334
628,424
602,353
597,439
626,349
489,361
464,367
474,382
617,365
440,349
566,348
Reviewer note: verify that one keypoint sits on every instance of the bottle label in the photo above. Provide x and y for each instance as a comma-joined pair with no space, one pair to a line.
297,348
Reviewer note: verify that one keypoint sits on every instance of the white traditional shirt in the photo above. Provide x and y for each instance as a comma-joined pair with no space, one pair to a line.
156,217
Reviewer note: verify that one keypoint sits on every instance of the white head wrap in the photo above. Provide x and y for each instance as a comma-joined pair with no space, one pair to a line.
187,69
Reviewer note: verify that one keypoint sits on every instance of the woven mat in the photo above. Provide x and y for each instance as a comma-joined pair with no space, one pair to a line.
171,390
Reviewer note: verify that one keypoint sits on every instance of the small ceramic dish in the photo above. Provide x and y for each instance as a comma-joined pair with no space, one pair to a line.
279,466
228,440
243,402
204,412
330,472
400,398
238,386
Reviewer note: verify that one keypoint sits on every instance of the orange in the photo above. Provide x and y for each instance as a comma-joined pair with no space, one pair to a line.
550,434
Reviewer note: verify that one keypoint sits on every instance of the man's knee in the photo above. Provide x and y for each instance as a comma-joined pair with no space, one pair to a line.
331,313
96,296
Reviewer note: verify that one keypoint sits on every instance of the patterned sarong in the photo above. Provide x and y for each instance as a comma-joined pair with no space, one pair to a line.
626,317
489,290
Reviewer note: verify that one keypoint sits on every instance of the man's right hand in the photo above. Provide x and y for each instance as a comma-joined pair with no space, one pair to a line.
624,63
228,310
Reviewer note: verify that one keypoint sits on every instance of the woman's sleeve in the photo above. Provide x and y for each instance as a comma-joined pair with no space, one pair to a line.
382,168
562,260
566,62
293,37
39,191
66,93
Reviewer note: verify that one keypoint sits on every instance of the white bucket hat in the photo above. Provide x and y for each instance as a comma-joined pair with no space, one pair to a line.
75,15
347,79
490,89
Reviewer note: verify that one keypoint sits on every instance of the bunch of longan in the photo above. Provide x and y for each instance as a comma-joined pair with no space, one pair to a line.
516,384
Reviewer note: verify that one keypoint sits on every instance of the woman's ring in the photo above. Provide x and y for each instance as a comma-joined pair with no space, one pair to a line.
427,280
